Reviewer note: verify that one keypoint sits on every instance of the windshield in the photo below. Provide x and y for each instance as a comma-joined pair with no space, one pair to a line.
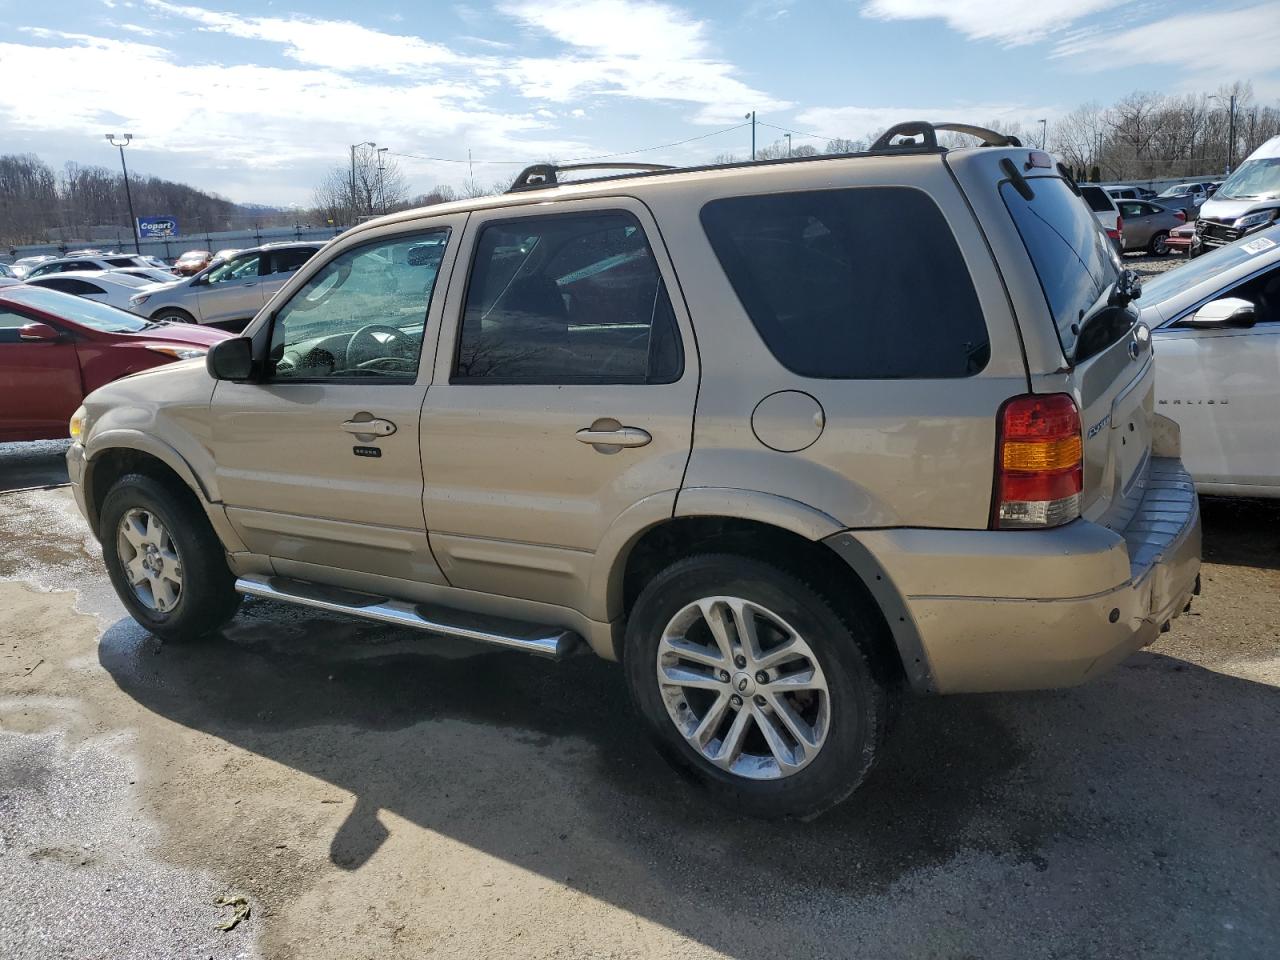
1073,258
1255,180
1173,282
1176,191
87,313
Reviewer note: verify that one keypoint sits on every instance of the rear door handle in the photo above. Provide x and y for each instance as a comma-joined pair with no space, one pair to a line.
621,437
370,428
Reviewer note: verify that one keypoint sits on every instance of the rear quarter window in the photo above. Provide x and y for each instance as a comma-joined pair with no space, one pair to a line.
856,284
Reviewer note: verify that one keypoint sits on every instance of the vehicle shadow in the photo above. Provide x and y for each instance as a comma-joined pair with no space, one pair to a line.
1119,817
39,463
1241,532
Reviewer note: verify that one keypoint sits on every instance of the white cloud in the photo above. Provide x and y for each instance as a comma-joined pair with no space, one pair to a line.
335,44
1011,22
1246,40
615,28
265,116
631,48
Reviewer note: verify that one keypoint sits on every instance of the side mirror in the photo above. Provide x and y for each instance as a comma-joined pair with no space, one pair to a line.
231,360
38,333
1227,312
1128,287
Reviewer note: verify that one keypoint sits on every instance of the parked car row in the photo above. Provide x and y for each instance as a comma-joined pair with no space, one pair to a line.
1248,201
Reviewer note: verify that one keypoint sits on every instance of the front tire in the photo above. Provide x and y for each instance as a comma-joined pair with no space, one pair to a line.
755,684
173,315
166,563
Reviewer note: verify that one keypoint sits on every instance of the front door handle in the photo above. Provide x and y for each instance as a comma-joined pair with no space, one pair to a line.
373,427
617,437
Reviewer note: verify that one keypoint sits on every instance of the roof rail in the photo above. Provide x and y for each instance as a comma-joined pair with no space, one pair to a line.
539,176
929,137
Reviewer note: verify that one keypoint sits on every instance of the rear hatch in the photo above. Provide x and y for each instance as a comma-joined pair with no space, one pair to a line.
1109,370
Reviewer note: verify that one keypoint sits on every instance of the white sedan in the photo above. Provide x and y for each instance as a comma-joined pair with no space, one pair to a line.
103,286
1216,326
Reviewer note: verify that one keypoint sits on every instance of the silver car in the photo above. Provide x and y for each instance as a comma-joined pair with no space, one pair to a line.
1147,225
228,293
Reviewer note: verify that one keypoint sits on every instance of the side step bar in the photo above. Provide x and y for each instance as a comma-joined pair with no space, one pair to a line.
534,638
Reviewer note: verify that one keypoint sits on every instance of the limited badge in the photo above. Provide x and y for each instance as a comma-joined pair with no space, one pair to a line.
366,451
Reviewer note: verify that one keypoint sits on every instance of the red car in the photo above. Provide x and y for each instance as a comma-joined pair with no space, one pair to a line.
192,262
55,348
1179,239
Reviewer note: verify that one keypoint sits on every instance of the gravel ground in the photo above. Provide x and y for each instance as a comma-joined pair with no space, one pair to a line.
376,795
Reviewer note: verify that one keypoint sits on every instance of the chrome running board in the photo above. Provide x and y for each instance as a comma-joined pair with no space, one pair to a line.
534,638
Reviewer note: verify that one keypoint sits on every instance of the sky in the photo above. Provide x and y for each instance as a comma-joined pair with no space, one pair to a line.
256,101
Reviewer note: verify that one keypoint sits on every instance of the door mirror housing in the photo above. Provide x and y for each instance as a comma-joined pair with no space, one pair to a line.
231,360
1227,312
38,333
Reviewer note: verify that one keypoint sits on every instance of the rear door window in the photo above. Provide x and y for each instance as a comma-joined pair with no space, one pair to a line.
567,298
858,284
287,261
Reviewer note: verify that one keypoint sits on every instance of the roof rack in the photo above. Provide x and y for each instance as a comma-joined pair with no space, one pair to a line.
542,175
929,137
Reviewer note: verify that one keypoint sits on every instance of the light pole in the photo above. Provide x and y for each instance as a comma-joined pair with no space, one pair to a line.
1231,129
1044,133
382,192
788,136
752,117
354,146
128,194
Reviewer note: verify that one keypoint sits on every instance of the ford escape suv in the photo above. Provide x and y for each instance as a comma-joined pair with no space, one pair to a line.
785,438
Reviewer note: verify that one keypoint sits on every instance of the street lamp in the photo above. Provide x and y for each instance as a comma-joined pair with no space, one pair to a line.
133,221
382,192
354,146
788,136
1231,128
752,117
1044,133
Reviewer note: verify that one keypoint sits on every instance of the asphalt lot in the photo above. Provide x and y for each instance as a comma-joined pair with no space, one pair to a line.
375,794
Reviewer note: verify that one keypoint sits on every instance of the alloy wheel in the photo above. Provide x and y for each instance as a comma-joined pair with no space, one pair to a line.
743,687
150,558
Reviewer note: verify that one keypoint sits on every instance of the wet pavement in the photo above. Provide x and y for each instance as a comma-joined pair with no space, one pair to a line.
376,794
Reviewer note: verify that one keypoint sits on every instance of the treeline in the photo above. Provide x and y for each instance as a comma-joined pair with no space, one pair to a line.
1151,136
37,204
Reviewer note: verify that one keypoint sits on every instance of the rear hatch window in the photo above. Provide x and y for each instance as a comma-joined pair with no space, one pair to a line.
1098,199
1073,259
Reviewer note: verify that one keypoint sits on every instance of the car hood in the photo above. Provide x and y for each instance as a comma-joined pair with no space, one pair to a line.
1224,211
185,334
161,285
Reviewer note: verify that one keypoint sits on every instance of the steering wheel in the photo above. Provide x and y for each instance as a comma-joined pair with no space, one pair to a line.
364,346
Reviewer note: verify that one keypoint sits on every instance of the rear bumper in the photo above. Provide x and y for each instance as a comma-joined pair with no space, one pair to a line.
1018,610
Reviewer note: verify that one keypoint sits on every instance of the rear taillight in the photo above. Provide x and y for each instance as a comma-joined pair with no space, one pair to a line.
1039,462
1180,216
1118,231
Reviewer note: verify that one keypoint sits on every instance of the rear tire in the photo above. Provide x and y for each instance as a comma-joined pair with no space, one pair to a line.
1159,245
803,732
166,563
173,315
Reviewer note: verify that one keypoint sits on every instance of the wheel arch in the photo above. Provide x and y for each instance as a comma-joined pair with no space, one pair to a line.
119,452
815,560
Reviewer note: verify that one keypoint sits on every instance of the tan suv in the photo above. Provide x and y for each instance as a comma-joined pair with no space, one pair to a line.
786,438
